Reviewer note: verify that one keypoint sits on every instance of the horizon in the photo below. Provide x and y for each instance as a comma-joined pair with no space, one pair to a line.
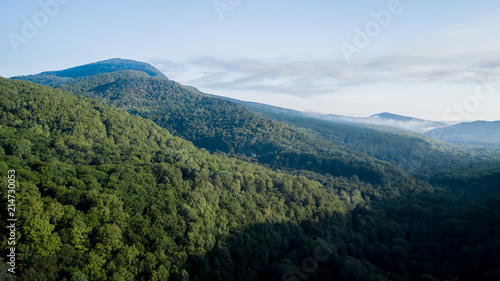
350,59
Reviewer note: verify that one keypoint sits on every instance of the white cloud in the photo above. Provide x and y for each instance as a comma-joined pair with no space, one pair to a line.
327,75
443,69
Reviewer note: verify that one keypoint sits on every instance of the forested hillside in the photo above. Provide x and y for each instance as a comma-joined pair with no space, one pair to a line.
108,195
104,193
283,139
318,149
220,125
305,143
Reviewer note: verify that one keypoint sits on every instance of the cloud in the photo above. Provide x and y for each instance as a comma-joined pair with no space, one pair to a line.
328,75
419,126
467,54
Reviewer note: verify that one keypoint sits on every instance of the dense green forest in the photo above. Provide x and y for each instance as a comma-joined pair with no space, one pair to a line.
220,125
103,193
108,195
316,149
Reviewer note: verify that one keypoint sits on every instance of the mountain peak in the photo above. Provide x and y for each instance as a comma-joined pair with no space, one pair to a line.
62,77
403,122
106,66
392,116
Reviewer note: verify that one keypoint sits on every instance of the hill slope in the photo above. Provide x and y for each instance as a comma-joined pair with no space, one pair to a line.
220,125
101,190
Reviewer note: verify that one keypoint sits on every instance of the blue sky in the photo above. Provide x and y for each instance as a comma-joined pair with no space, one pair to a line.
437,60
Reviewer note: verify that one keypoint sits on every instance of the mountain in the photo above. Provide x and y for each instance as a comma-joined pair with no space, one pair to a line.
395,117
56,78
472,133
103,194
436,162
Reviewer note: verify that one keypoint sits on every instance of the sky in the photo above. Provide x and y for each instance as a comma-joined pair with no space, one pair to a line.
436,60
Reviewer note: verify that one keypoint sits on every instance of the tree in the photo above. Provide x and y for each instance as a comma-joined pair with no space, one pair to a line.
109,237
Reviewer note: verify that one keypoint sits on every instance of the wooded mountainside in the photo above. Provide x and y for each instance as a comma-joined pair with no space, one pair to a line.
167,183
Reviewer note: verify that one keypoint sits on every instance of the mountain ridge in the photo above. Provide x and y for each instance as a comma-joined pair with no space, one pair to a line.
60,77
346,134
410,151
476,133
382,121
219,125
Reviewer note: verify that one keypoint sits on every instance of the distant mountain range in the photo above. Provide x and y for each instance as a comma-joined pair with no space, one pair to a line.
474,133
388,120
